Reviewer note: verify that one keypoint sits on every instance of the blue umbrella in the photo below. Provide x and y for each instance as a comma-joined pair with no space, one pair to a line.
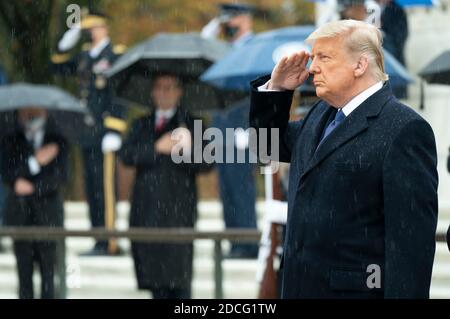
405,3
256,58
415,3
259,56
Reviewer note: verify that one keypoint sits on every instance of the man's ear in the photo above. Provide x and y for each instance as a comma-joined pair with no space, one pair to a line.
361,66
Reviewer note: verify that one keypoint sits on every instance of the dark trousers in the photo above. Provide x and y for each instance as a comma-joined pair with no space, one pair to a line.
2,202
46,211
171,293
238,195
94,188
42,253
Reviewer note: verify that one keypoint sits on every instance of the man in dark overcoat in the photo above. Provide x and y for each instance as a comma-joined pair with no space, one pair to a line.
362,201
164,193
34,168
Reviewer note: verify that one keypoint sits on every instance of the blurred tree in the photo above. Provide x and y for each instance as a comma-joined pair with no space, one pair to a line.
29,28
26,24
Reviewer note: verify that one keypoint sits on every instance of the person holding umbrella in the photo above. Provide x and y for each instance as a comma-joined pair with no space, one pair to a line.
90,67
36,121
34,167
164,193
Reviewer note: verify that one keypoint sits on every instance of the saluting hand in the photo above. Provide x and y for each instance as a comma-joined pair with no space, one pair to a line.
290,72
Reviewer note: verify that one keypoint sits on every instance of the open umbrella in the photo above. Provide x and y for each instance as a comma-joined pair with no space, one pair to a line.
70,117
186,55
416,3
435,72
405,3
438,70
259,56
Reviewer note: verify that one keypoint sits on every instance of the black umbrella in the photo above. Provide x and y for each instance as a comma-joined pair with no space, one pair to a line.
69,116
438,70
186,55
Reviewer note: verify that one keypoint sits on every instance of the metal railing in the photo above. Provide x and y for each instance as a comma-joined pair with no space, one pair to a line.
175,235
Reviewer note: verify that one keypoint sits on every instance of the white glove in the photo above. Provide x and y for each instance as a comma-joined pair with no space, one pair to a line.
33,165
212,29
69,39
112,142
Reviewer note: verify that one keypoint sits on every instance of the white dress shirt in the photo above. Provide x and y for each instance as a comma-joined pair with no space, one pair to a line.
360,98
167,114
36,139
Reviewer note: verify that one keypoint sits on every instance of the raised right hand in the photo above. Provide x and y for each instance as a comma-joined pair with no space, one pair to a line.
69,39
290,72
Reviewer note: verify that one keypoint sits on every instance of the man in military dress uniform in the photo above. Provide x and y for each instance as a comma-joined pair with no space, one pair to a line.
90,66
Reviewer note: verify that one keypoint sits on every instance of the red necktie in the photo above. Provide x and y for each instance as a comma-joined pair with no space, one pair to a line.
160,124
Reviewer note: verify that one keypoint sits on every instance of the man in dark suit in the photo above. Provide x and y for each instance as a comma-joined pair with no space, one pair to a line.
164,192
34,167
89,67
362,202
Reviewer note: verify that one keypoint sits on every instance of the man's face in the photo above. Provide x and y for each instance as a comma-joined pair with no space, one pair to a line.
166,92
333,70
98,33
30,114
238,26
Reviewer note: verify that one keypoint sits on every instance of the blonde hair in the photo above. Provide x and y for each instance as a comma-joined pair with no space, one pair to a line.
361,38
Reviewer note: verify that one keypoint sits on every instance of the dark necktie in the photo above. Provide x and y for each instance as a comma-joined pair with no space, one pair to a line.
160,124
339,117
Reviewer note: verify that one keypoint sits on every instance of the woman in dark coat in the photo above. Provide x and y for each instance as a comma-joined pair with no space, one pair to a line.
164,193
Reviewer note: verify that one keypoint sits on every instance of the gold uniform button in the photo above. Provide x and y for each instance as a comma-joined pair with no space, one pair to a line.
100,82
